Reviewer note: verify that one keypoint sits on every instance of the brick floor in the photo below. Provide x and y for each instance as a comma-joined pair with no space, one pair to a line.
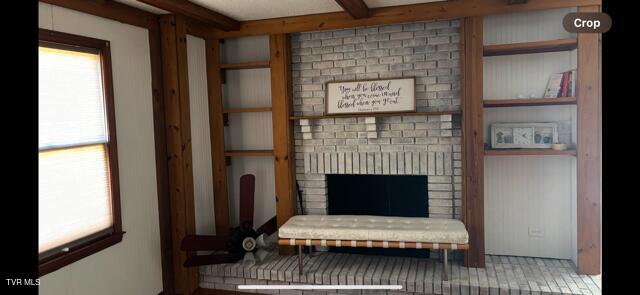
502,275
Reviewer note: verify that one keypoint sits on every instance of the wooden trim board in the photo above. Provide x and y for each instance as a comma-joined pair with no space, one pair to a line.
162,178
589,164
111,10
216,127
472,139
180,173
281,105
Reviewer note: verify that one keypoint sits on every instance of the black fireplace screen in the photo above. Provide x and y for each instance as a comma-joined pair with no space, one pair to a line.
381,195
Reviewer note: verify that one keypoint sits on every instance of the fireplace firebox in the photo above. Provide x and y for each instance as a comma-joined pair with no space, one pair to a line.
381,195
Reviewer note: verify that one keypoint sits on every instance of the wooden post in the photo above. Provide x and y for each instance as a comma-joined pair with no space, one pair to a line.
162,178
178,138
589,161
216,129
473,140
281,101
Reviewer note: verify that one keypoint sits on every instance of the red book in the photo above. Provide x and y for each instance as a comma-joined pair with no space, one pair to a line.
565,84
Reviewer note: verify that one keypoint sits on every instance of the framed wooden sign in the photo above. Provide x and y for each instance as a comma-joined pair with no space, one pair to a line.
370,96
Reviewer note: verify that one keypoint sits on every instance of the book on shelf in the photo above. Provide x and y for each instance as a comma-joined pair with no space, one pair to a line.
561,84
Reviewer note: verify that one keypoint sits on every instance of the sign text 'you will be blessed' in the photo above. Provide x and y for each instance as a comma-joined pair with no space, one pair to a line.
373,96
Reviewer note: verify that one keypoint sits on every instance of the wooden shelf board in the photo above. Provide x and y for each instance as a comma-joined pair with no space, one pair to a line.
528,152
246,65
496,103
531,47
376,115
249,153
246,110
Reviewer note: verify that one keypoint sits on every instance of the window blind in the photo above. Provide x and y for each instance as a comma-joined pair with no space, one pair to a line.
74,185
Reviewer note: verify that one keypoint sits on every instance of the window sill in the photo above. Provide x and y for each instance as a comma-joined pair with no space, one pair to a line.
79,253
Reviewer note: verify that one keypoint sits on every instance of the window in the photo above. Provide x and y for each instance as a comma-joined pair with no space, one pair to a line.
78,201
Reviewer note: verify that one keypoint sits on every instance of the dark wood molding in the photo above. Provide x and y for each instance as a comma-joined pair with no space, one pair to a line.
111,10
196,12
356,8
216,129
281,105
162,178
472,139
511,2
521,102
528,152
246,65
178,142
394,14
589,158
94,243
531,47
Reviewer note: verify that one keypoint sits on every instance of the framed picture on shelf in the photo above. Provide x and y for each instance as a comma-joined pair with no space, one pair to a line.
523,135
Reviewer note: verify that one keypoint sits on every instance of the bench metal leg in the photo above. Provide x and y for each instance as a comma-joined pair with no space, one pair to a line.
445,266
300,259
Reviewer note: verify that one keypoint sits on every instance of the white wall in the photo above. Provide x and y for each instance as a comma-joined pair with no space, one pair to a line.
132,266
249,88
529,192
200,136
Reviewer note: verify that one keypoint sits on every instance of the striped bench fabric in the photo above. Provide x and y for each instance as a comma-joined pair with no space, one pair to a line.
374,232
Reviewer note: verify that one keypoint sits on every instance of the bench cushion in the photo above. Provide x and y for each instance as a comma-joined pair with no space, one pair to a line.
374,228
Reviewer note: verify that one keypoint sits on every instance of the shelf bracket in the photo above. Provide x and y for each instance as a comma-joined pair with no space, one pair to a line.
227,160
225,120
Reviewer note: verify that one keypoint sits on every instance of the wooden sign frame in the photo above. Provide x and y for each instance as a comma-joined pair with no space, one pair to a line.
327,100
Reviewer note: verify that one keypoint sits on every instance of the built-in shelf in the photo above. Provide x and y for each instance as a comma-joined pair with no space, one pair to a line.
246,110
249,153
496,103
375,115
246,65
528,152
531,47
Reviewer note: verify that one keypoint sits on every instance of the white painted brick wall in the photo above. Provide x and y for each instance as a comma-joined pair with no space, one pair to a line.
398,145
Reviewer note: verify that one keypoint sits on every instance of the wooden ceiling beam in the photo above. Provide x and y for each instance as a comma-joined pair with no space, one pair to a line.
356,8
394,14
196,12
111,10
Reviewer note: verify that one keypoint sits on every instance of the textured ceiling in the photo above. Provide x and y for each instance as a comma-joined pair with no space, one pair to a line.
244,10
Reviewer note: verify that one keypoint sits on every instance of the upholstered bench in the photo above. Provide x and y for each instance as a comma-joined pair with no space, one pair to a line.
374,232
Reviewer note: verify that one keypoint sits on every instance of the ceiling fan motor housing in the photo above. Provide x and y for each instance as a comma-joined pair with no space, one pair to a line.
242,240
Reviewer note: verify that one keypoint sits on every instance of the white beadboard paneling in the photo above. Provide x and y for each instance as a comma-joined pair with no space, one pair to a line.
506,77
132,266
249,131
200,136
245,49
565,116
265,193
529,192
247,88
526,26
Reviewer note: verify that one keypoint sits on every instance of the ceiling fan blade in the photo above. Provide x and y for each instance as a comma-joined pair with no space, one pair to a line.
247,192
200,242
212,259
268,227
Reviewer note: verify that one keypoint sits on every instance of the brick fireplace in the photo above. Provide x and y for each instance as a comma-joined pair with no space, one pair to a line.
395,145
